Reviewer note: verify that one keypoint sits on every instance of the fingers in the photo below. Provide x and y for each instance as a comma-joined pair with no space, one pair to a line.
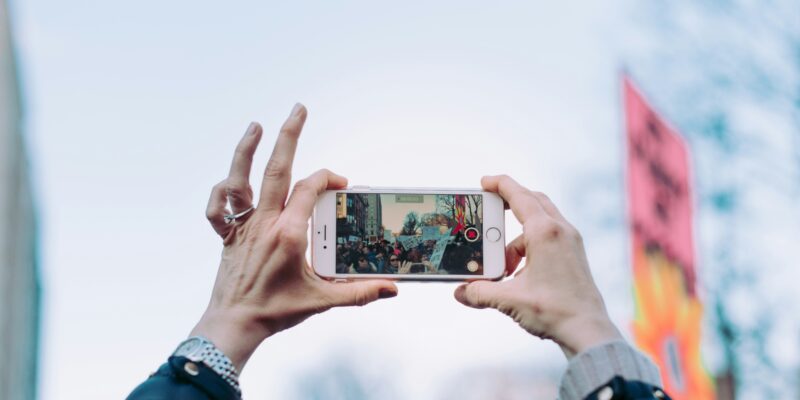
480,294
215,212
305,193
238,188
520,199
548,206
359,293
522,202
278,174
515,251
405,267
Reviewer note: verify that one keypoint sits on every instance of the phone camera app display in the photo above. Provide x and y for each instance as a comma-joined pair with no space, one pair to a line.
404,233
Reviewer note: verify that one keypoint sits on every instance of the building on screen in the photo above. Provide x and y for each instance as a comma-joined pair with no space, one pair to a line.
351,212
374,211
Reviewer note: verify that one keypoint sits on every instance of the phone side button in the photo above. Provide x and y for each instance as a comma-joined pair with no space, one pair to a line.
493,234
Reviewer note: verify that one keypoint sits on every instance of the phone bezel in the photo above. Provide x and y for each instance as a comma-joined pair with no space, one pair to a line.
323,236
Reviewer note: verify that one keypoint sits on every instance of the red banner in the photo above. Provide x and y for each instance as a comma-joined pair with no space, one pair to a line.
460,205
668,313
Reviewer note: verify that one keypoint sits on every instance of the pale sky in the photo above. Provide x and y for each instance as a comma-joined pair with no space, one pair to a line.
134,108
394,213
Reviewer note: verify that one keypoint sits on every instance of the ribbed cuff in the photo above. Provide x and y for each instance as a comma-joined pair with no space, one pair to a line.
597,365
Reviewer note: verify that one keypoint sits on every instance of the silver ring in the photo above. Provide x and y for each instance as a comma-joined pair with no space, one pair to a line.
231,218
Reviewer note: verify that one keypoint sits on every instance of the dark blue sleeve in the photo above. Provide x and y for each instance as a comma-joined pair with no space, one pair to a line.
174,381
620,389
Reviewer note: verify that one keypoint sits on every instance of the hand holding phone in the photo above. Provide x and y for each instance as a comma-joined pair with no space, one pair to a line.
553,296
264,283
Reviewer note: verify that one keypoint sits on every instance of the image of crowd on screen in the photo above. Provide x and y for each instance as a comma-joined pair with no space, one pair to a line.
384,257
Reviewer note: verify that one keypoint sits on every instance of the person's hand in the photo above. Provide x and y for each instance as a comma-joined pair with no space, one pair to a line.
264,284
405,267
553,296
429,267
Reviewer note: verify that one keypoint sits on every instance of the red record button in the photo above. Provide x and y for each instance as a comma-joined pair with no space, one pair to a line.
471,234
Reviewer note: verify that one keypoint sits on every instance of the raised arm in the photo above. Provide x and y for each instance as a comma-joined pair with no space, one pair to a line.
264,283
553,296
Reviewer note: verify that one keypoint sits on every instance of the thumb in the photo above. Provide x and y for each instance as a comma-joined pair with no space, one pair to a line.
481,294
362,292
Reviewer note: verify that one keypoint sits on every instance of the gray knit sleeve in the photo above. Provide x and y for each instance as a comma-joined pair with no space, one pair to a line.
597,365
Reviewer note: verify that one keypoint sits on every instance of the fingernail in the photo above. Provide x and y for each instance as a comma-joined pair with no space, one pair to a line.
251,129
386,293
296,109
459,293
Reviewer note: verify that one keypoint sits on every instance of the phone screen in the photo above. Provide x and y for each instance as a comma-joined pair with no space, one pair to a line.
402,233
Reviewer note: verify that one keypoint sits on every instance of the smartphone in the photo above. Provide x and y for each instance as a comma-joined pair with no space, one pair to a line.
408,234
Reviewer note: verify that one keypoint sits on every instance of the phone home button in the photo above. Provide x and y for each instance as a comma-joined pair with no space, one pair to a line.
493,234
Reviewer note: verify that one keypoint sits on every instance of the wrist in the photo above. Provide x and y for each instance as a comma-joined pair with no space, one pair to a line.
583,332
233,334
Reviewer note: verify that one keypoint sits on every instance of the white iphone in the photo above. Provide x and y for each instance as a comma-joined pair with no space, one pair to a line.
408,234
